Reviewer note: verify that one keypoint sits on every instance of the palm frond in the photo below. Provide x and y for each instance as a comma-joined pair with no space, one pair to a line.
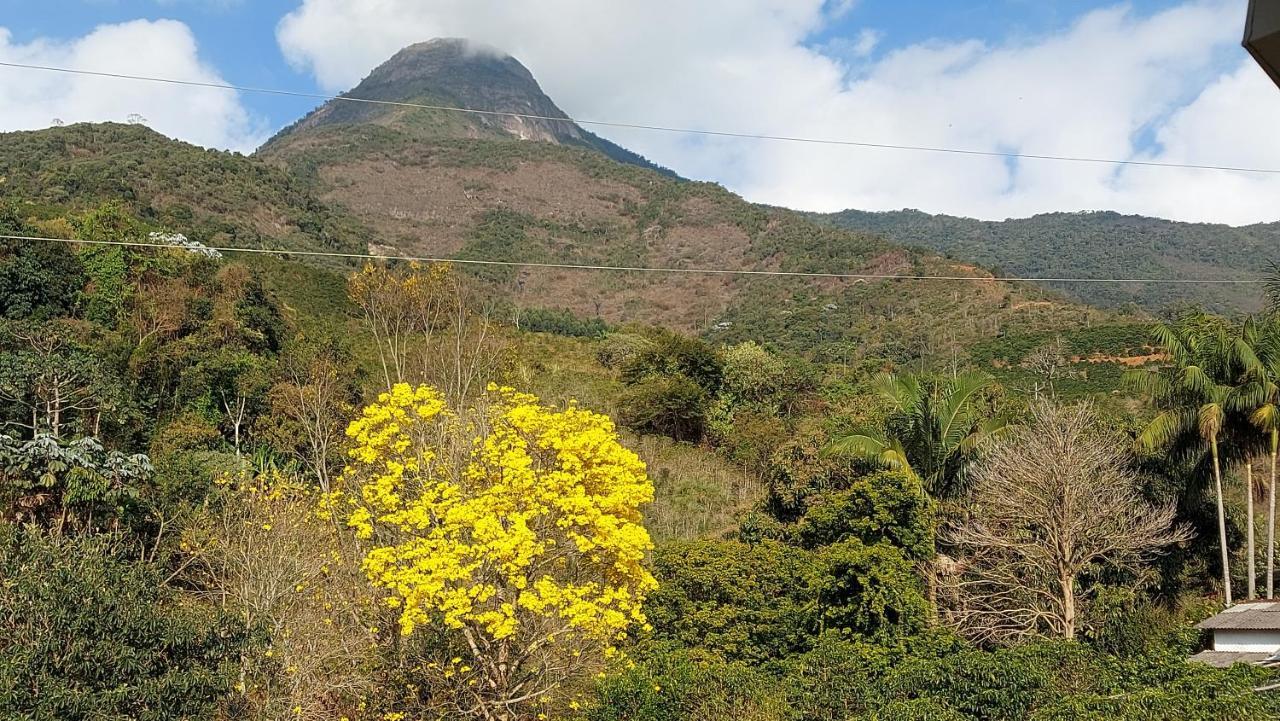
988,430
1172,341
1273,286
1241,351
1164,429
902,392
953,412
885,453
1248,395
1210,419
1148,381
1193,378
1266,417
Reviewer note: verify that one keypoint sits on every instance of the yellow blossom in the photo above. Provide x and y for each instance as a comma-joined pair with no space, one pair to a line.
509,520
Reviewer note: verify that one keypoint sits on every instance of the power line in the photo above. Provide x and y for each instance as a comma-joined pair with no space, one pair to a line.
649,269
655,128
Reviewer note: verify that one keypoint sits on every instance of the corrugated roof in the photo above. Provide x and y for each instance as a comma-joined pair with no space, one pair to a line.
1223,659
1256,616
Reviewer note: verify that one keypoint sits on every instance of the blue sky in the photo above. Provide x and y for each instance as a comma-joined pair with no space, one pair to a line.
1144,79
238,36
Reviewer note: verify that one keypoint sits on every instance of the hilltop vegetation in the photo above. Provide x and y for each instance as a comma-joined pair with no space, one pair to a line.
1094,245
543,203
215,197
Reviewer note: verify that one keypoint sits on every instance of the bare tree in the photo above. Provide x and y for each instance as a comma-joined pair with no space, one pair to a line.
310,408
268,557
1048,361
159,308
465,351
390,305
429,327
1053,501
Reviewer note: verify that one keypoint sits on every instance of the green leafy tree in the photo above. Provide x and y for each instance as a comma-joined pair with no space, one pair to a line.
762,381
672,406
38,280
669,353
53,483
870,590
885,507
107,266
671,380
935,429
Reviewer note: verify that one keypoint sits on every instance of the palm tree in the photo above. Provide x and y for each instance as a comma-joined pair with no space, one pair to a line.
934,430
1192,391
1259,397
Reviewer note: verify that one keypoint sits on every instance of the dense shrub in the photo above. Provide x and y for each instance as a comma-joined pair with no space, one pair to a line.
562,322
86,634
670,354
889,506
671,406
674,684
870,590
747,602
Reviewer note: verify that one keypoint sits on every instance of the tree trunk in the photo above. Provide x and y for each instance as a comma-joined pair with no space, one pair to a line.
1271,515
1067,582
1222,523
1252,586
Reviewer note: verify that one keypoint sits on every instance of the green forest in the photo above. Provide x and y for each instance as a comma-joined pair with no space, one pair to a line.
241,486
1093,245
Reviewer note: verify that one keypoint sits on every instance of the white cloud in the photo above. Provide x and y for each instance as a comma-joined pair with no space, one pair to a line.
1095,89
205,116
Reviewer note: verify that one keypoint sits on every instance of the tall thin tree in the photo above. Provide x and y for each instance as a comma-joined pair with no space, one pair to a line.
1259,397
1192,391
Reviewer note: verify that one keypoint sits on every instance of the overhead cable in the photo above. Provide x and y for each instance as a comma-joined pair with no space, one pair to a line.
655,128
650,269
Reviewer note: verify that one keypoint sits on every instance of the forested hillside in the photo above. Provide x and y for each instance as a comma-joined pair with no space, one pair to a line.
1095,245
216,197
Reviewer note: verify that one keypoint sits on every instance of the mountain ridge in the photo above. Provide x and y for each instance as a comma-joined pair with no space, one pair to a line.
1094,244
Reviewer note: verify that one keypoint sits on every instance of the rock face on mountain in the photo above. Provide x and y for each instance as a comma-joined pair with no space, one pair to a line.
455,73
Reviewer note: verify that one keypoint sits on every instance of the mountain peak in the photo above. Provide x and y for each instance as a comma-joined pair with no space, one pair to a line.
450,73
456,73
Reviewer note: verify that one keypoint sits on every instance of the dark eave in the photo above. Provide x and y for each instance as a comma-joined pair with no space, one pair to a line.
1262,35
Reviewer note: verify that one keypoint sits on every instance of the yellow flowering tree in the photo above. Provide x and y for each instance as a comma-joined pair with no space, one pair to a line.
509,527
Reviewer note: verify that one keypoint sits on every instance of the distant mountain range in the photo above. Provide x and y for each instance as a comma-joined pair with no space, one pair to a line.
1095,245
414,181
